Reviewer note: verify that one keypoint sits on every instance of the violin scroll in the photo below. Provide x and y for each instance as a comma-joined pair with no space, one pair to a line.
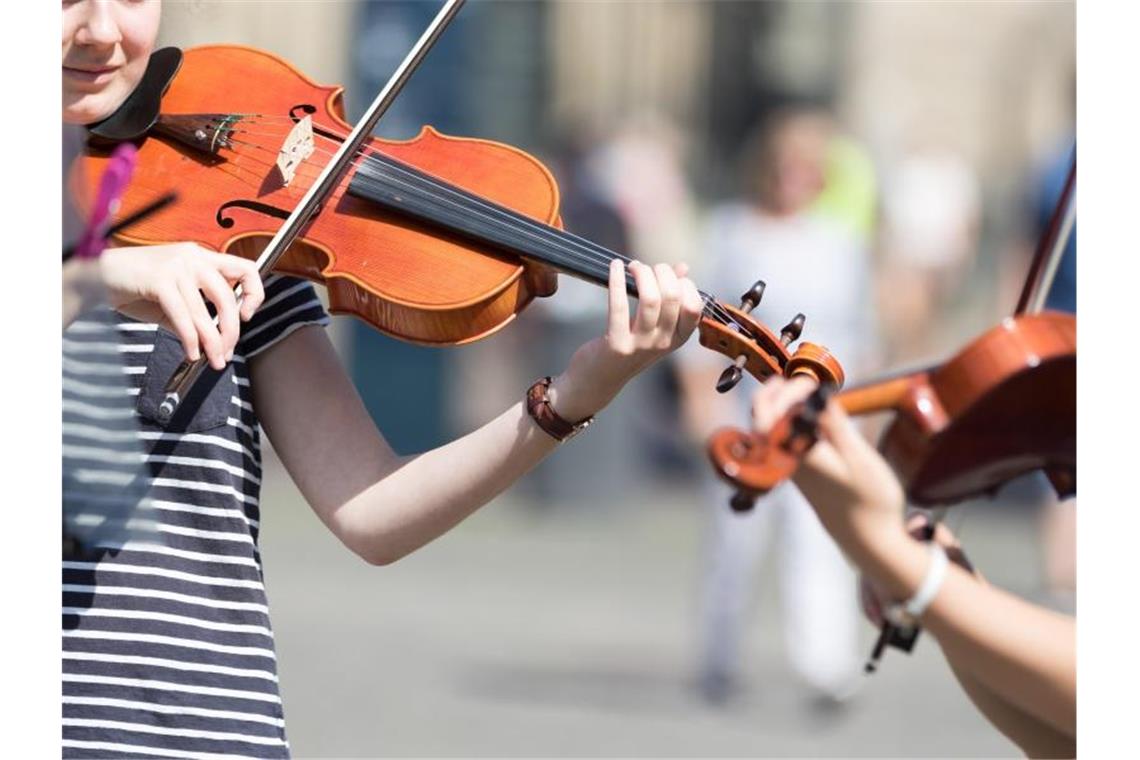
756,349
755,463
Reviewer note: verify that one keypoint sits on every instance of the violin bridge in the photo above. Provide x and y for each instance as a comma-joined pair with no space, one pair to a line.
298,146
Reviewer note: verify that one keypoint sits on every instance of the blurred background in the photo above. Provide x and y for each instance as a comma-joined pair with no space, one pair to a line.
885,167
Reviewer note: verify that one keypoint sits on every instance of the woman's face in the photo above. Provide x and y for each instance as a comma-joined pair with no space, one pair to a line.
799,150
106,46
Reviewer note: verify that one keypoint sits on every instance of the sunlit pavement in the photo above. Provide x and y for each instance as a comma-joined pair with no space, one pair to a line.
571,631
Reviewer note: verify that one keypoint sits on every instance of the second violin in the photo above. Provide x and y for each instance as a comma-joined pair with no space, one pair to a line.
1003,406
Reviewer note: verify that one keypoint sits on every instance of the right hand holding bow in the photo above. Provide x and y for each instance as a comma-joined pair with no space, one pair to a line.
170,284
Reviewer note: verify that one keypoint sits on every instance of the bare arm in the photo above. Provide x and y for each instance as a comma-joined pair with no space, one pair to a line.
384,506
1023,654
381,505
1035,737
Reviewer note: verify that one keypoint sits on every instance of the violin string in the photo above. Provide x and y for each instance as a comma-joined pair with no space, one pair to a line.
417,182
564,241
567,261
586,250
367,151
548,237
592,256
364,152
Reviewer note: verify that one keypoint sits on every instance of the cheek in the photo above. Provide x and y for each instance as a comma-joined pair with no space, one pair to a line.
70,25
137,44
132,74
140,31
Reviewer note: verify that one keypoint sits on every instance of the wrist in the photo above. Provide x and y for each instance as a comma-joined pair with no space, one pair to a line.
112,265
571,400
896,561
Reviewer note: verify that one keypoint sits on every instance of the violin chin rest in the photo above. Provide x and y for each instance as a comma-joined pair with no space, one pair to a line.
139,112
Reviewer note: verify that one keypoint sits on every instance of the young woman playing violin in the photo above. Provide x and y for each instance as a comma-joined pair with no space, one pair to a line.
1016,661
167,644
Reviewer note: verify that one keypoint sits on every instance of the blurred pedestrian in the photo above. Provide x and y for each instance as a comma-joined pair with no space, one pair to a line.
931,222
818,265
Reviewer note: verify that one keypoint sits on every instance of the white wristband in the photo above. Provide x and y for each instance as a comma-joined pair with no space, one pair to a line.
907,613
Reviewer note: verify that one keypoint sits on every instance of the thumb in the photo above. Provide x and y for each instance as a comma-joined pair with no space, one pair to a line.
836,427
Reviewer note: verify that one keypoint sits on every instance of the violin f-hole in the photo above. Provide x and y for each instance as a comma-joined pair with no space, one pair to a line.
301,110
227,222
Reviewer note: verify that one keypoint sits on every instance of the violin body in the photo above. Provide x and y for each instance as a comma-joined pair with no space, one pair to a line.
400,277
1004,406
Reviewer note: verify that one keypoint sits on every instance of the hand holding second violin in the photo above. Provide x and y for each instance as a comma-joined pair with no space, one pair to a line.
169,284
668,308
857,496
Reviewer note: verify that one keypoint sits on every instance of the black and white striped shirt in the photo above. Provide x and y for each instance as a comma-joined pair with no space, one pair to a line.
167,644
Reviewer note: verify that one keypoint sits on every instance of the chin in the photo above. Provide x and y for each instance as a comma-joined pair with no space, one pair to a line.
88,108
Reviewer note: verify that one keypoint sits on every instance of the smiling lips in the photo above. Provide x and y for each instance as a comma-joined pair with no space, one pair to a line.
93,75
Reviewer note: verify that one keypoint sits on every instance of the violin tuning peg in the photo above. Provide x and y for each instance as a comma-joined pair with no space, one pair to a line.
793,329
751,299
729,378
731,375
742,501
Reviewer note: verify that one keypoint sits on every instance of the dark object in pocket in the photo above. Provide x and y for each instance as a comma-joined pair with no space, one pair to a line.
208,404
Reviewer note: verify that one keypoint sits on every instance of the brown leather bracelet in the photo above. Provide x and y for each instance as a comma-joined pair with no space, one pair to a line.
540,410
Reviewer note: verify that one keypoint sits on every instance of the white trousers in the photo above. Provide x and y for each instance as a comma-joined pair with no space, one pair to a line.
817,589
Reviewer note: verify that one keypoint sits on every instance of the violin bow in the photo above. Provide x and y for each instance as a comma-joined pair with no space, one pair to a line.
188,372
1050,247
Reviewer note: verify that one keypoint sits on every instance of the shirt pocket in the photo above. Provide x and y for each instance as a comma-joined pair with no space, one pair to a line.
206,406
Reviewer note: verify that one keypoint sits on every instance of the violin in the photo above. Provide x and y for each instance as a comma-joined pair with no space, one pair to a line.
437,240
1003,406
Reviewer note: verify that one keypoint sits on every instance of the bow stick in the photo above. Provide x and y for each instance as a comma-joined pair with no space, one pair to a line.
188,372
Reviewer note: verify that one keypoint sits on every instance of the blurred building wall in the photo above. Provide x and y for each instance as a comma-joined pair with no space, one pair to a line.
990,85
993,81
611,60
311,34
